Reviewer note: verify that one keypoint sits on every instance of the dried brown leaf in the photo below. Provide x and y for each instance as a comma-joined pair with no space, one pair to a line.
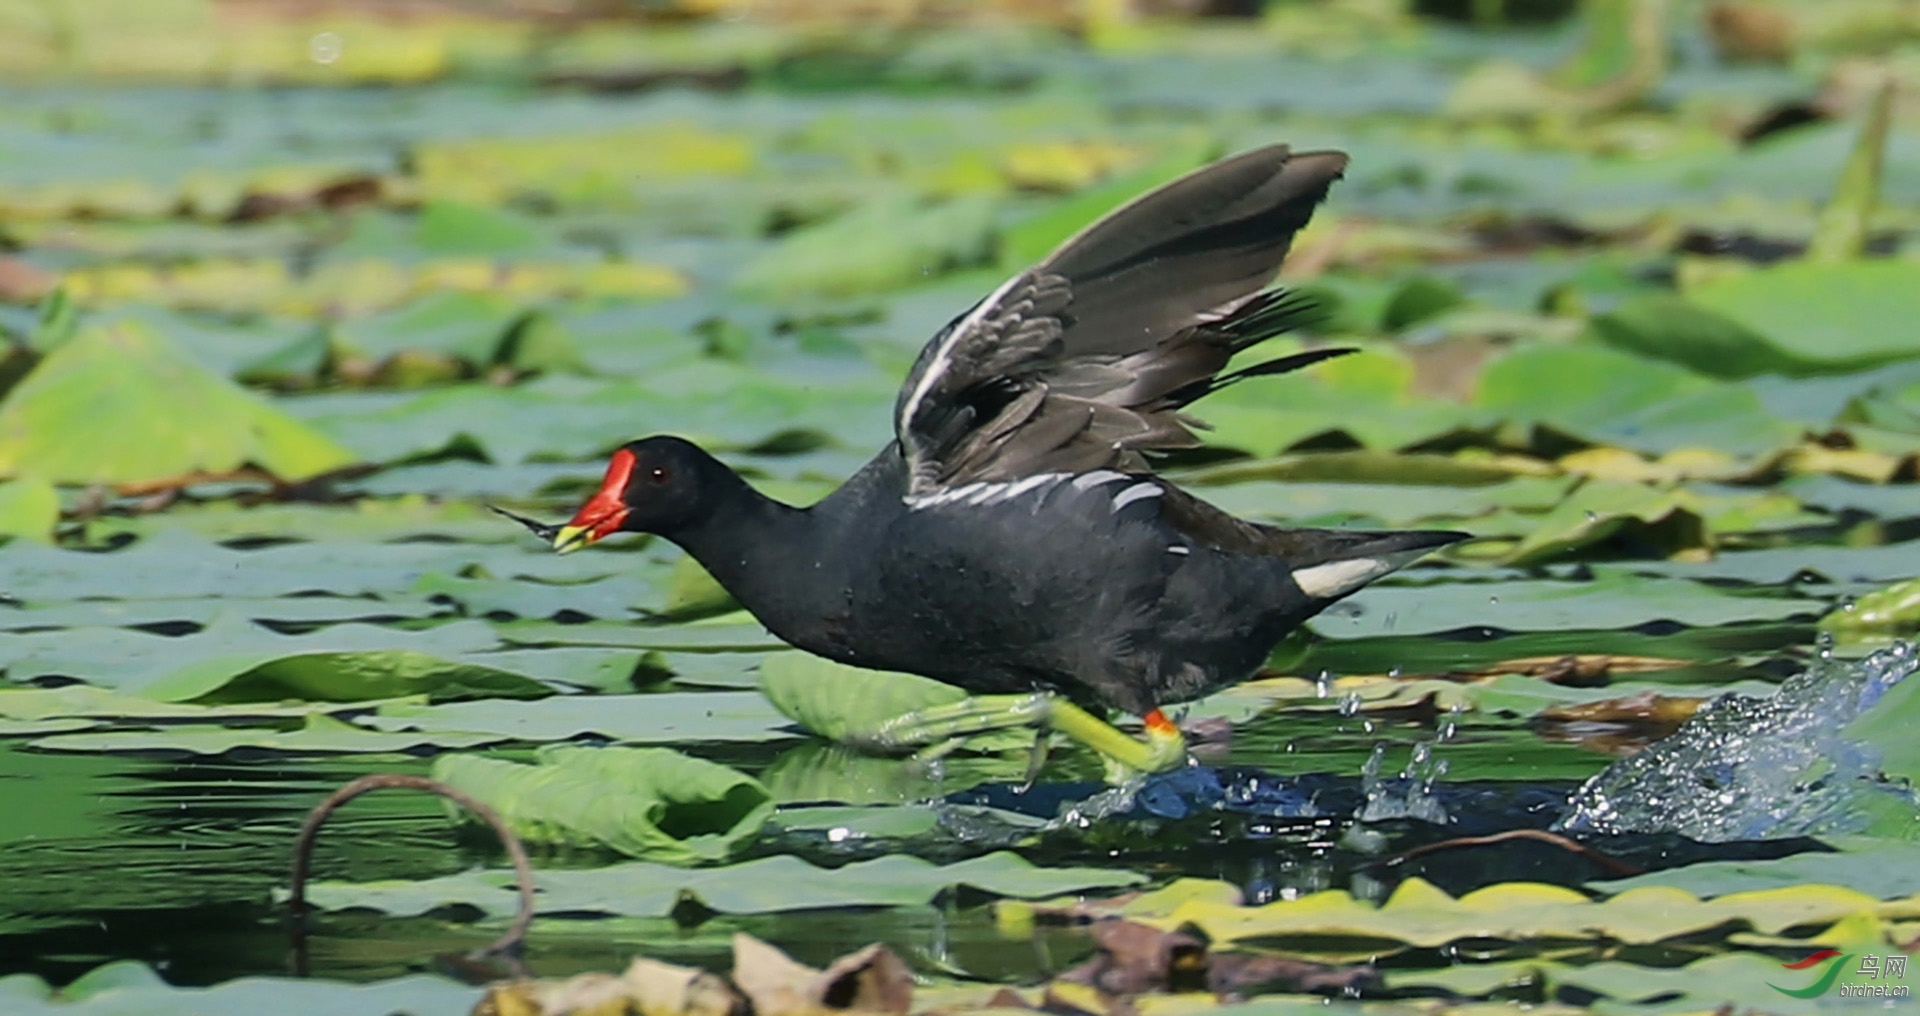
1644,708
1237,976
870,980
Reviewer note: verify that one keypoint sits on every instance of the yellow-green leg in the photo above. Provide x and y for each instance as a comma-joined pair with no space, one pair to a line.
1163,747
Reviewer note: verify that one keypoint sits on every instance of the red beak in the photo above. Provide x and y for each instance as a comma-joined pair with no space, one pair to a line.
603,513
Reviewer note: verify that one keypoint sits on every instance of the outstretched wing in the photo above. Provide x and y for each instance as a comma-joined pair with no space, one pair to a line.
1084,360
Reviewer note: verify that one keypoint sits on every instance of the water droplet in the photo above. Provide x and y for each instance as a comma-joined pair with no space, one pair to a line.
838,834
1395,673
1323,685
1592,516
1495,600
1350,704
325,48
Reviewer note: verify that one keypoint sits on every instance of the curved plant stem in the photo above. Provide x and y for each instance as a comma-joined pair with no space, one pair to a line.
509,943
1614,865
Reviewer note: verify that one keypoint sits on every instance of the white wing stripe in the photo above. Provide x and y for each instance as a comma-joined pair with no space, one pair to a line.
937,366
1088,481
1138,491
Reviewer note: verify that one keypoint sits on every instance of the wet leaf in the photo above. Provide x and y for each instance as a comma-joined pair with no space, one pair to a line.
644,802
104,408
1893,610
842,703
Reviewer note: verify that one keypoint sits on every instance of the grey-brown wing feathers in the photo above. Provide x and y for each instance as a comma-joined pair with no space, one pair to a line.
1084,360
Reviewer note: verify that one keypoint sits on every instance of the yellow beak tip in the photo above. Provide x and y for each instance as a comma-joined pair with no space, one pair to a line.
571,538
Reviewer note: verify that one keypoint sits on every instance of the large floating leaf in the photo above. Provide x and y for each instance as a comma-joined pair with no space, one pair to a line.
232,660
1736,981
120,405
29,508
319,735
1841,316
662,718
881,245
650,803
766,885
126,986
1879,868
1419,914
836,701
1669,328
1609,600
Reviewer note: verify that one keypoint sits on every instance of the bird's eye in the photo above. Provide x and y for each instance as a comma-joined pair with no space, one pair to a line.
658,474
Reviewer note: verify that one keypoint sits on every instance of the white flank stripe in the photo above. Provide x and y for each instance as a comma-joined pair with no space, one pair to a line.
943,356
982,493
1134,493
987,492
1088,481
1015,490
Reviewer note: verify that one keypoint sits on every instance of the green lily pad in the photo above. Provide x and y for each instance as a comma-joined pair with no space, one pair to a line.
1664,327
232,660
319,735
883,244
105,407
29,508
1419,914
1610,600
126,986
1890,611
661,718
765,885
1838,315
1880,868
467,326
727,633
650,803
838,702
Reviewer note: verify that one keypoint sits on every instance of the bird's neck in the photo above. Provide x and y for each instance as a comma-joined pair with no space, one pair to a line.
772,557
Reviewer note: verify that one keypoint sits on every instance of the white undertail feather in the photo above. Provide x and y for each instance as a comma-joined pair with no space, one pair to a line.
1338,578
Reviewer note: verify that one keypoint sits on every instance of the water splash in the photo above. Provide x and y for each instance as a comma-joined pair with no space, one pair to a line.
1409,795
1758,768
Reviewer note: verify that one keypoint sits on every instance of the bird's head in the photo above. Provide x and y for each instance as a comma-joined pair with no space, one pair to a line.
654,485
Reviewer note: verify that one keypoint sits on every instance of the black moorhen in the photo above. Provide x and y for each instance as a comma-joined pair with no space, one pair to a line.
1013,540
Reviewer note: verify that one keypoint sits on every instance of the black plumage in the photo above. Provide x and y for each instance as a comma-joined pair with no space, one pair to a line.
1013,537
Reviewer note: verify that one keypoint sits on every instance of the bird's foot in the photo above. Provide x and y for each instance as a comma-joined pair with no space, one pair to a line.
1163,747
